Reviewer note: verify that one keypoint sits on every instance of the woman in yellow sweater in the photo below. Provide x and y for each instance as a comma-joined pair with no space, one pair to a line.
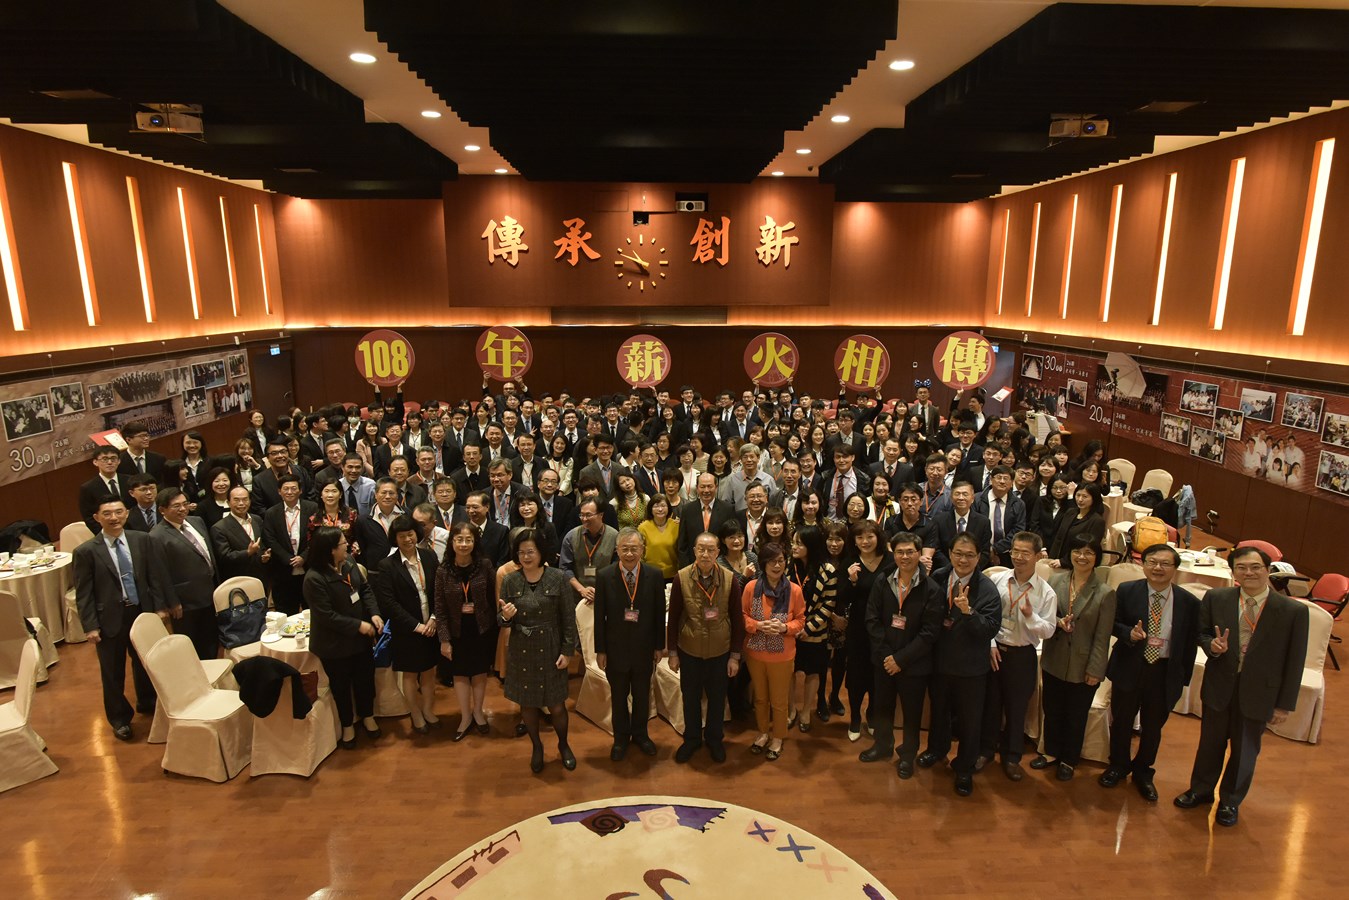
660,532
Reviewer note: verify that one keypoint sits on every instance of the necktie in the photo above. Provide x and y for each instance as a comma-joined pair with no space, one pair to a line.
707,518
197,544
140,464
150,515
960,525
1247,631
889,471
997,519
631,578
124,570
1151,653
838,510
112,487
351,497
548,510
988,477
605,473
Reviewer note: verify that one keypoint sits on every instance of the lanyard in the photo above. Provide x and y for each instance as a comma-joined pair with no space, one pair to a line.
590,551
419,578
951,592
710,595
1251,623
928,500
1017,601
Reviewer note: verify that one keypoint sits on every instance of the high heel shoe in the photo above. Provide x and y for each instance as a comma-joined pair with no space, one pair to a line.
568,758
536,761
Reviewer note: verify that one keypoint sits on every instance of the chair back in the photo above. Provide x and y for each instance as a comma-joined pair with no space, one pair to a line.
585,630
1125,470
72,536
147,631
1274,553
252,587
177,674
27,683
1044,569
1331,593
1319,624
1159,479
12,627
1124,571
995,570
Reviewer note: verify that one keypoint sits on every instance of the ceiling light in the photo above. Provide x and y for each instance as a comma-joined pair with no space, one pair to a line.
778,173
840,119
500,171
472,148
430,114
802,151
902,65
364,58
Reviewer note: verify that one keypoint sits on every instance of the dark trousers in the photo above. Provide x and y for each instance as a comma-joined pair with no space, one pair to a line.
860,676
1008,693
636,682
1147,699
699,677
350,676
199,626
1220,730
288,594
838,666
112,654
961,696
911,691
1066,706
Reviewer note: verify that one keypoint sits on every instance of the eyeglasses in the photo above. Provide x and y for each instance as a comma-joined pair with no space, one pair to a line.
1159,563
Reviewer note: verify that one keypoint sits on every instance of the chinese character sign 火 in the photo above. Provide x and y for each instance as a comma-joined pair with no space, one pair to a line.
771,359
774,242
503,353
862,362
573,243
504,240
710,242
643,360
963,360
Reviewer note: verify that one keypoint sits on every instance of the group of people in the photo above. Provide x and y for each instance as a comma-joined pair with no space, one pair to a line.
769,545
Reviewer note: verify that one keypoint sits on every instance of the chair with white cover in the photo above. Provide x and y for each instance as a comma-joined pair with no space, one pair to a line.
996,570
72,536
1122,469
1304,722
254,589
283,744
146,632
22,756
1159,479
1044,568
1122,572
14,638
210,730
594,699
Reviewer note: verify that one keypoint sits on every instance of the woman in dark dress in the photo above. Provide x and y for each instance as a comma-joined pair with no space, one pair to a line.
526,513
810,568
873,563
214,505
1088,519
406,591
536,602
345,623
466,611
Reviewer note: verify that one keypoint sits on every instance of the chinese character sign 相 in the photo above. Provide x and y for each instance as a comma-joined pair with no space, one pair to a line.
643,360
710,242
771,359
862,362
503,353
963,360
573,243
774,242
504,240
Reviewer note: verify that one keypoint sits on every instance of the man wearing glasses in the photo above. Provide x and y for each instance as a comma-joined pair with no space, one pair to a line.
1157,635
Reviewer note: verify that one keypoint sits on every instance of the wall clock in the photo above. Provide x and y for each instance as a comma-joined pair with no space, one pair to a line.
641,262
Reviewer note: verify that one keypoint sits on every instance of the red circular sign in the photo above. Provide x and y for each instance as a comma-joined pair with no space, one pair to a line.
771,359
503,353
385,358
963,360
643,360
862,362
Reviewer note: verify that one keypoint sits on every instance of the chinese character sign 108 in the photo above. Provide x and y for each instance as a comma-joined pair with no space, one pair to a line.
384,358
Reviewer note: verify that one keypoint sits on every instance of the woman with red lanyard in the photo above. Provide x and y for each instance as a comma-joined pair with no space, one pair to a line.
466,615
406,597
775,612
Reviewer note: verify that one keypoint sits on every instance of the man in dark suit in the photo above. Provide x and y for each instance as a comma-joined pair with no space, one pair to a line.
395,446
470,477
788,497
1156,637
899,473
843,482
449,455
847,436
107,459
925,409
447,511
705,513
141,512
334,451
604,471
138,458
629,638
458,435
494,540
980,472
960,519
285,530
559,510
118,575
186,547
737,425
237,539
1256,641
372,531
267,483
1006,515
528,465
973,617
409,492
494,445
502,495
648,478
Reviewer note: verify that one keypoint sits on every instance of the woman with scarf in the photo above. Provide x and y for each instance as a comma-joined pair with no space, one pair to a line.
775,613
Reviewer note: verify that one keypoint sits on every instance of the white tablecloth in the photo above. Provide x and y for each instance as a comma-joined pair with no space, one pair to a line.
42,593
388,699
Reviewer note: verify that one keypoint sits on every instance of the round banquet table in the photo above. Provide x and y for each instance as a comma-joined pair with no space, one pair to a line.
1219,574
1114,507
42,593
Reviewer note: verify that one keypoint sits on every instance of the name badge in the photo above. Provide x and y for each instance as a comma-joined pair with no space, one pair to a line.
630,615
1155,641
467,609
897,621
588,572
948,623
355,597
710,613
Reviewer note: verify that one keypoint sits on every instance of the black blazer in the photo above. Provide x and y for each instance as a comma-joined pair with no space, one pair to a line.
397,594
1013,520
923,611
98,589
691,514
466,483
536,466
931,418
231,549
1125,669
942,530
94,490
267,493
374,541
136,521
1272,671
495,543
384,454
193,577
276,538
630,645
154,465
903,475
564,514
335,629
962,649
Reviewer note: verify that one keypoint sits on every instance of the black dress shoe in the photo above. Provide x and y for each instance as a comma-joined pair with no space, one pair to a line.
1013,771
484,728
717,751
460,735
822,713
836,707
647,746
686,751
1065,772
1147,790
1227,816
1189,800
618,751
122,732
536,760
422,728
568,758
146,710
981,761
520,729
875,753
1110,778
373,733
347,745
1041,762
905,768
964,785
929,759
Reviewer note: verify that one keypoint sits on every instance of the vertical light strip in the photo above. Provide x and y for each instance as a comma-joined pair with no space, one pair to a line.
190,251
1068,261
1111,238
262,258
1164,248
1030,269
1002,263
1311,236
81,238
133,195
1231,208
229,257
9,261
